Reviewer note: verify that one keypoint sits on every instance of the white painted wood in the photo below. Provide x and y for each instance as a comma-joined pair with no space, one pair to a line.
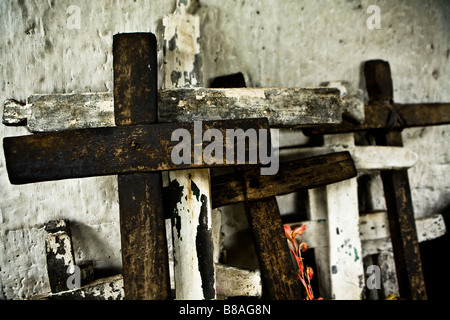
188,277
366,158
231,282
347,272
193,266
346,265
372,227
286,107
317,211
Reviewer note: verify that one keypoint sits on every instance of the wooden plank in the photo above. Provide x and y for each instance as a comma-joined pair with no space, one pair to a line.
59,254
377,116
110,288
107,151
375,226
245,284
366,158
303,173
345,262
193,246
145,264
284,107
316,210
346,265
277,271
372,227
397,193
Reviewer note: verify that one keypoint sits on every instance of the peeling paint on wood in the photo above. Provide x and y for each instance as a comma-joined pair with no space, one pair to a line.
244,283
373,229
284,107
193,248
366,158
59,257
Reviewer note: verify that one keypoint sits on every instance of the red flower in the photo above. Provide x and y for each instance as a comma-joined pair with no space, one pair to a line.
298,230
288,232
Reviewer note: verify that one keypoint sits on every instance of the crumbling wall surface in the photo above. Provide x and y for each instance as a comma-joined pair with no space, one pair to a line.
45,48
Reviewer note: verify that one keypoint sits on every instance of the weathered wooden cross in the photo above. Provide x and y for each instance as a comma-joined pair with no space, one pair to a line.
386,119
135,150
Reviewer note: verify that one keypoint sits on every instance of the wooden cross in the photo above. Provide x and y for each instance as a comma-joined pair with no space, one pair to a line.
387,119
134,150
121,150
282,107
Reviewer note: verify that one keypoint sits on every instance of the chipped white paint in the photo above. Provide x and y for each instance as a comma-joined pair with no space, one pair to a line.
372,228
239,93
193,266
57,239
110,288
346,265
188,279
182,46
366,158
244,283
376,227
282,107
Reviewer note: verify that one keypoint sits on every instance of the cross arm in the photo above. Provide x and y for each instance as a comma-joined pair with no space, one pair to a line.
304,173
379,115
284,107
106,151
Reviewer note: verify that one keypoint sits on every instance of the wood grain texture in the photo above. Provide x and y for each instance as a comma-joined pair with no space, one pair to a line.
303,173
106,151
284,107
145,263
378,114
397,193
277,270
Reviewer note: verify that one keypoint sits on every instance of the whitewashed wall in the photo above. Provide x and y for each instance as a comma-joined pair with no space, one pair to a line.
274,43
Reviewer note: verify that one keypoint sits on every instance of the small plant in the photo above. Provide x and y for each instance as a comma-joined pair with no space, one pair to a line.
303,274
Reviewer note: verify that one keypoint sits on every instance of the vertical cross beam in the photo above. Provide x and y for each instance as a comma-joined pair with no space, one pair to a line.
397,192
193,248
277,273
142,226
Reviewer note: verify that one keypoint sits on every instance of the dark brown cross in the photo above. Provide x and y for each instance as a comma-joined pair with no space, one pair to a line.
258,193
136,149
386,119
